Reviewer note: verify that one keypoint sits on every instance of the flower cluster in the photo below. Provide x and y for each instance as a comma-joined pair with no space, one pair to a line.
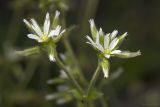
107,46
50,34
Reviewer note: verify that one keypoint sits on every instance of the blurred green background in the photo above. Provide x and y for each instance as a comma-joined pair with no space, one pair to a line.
23,79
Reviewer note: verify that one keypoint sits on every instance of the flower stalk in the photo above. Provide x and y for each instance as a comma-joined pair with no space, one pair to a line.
70,76
94,79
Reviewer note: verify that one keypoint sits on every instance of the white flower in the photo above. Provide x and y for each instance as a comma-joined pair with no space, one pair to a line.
106,43
107,46
47,33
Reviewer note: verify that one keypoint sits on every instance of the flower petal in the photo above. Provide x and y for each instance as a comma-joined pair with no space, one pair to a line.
99,47
57,13
113,43
46,25
55,32
36,27
114,34
106,41
27,23
90,40
51,58
62,32
97,38
116,52
58,37
107,56
32,36
91,21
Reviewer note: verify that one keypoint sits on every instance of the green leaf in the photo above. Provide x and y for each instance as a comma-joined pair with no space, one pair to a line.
60,97
76,94
56,81
94,94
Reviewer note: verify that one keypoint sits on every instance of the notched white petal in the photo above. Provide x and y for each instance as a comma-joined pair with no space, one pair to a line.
92,24
116,52
106,41
36,27
113,43
27,23
32,36
46,24
52,33
114,34
90,40
51,58
97,38
57,13
99,47
107,56
63,31
55,32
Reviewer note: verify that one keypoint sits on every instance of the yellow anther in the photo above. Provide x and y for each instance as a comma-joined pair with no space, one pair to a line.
44,38
107,51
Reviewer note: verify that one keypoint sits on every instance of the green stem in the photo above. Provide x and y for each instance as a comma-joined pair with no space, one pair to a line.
94,79
69,49
70,76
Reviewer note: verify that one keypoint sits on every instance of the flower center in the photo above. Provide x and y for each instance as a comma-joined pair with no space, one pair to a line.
44,38
107,51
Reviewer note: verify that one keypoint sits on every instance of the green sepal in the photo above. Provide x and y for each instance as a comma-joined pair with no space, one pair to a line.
101,36
29,51
55,21
105,67
51,52
93,29
127,54
121,39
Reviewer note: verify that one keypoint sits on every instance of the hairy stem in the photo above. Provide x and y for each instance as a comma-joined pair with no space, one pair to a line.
68,47
70,76
94,79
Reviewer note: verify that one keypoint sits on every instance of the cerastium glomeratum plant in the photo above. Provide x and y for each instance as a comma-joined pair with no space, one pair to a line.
106,46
